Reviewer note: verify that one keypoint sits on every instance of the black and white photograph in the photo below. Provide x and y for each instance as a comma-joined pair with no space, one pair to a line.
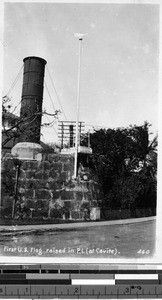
80,131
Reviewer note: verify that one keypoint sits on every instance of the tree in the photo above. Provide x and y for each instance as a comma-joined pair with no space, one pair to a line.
125,160
144,149
25,124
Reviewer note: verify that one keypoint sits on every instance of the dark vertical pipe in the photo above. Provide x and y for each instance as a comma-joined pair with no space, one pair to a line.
32,98
17,163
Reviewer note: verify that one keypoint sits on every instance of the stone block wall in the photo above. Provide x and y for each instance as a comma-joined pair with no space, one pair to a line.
46,189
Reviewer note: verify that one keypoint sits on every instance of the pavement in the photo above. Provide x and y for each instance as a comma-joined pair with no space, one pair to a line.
29,229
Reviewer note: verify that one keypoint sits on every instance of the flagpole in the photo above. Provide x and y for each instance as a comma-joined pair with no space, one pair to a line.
80,36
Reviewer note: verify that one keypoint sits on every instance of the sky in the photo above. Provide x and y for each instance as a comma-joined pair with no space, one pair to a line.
119,60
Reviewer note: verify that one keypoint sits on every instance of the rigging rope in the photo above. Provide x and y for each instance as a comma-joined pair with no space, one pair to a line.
15,81
16,107
56,93
51,123
49,96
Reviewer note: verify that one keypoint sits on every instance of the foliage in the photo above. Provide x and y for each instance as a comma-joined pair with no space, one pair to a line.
27,125
6,104
125,160
134,191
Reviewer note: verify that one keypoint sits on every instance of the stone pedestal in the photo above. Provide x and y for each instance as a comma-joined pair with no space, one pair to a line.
95,213
27,151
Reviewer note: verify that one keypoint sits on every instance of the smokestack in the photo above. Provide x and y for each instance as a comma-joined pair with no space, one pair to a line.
32,98
28,147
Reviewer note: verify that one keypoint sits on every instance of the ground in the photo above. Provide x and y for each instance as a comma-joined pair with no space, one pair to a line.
134,240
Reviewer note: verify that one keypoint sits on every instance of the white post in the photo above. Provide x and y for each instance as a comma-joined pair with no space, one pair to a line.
77,112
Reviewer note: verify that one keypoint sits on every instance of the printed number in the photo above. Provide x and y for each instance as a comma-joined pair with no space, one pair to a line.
76,290
127,290
138,287
143,251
